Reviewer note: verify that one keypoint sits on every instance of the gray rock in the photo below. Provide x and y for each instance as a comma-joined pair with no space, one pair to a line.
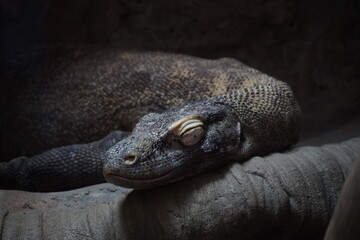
280,196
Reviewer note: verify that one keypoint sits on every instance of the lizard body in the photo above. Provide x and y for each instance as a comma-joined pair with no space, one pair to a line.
187,114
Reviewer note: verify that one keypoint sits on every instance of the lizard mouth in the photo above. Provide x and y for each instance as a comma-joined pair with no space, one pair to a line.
133,182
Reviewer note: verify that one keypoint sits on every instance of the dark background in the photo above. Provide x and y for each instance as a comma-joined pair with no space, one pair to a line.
312,45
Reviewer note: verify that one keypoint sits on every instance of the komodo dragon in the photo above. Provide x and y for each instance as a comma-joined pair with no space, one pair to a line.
187,114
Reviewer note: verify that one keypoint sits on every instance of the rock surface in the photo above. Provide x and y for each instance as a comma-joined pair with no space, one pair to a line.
280,196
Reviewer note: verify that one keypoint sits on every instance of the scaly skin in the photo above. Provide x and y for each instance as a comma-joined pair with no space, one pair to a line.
233,130
84,96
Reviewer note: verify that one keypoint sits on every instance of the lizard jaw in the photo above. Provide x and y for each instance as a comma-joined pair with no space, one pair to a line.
129,182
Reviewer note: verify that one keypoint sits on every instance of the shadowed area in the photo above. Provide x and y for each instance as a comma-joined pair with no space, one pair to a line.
312,45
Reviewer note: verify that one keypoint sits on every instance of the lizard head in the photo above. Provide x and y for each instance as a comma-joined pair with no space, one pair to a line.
173,145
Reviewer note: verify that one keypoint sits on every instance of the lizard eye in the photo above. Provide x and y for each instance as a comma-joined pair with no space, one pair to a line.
189,130
192,136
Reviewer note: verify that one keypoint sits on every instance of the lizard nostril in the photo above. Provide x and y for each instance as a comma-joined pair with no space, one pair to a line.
130,159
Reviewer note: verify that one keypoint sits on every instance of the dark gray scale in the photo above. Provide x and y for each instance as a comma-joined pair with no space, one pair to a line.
209,112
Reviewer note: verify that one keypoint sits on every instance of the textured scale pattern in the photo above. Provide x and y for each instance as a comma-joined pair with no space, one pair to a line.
262,108
78,96
61,168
